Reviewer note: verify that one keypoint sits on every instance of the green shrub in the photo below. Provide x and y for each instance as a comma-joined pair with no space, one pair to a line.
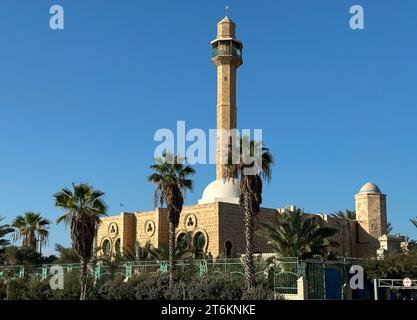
117,289
147,286
15,289
215,286
139,287
394,266
71,289
153,287
37,289
260,292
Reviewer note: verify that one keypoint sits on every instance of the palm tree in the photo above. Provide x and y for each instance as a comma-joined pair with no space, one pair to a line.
138,253
414,221
251,172
66,255
33,229
390,228
171,179
347,215
182,252
296,234
4,230
342,219
351,215
83,208
112,264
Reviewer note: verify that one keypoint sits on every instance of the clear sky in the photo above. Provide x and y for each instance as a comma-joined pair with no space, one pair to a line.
337,106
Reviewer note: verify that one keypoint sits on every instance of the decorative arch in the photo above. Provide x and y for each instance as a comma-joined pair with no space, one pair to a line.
195,236
190,222
113,230
117,246
183,233
228,248
149,228
106,246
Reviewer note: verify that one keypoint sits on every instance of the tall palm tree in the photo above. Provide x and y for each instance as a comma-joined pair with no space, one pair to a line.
5,229
296,234
414,221
244,164
32,228
171,178
83,208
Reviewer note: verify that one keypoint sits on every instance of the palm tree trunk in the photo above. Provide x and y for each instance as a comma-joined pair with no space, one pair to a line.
8,290
249,231
83,278
171,243
33,242
40,246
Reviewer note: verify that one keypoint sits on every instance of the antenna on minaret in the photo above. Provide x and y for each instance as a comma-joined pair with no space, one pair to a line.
227,10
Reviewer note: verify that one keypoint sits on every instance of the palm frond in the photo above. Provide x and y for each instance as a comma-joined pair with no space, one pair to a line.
296,234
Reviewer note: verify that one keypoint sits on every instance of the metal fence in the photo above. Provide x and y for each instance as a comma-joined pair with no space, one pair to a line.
328,279
284,272
325,279
130,268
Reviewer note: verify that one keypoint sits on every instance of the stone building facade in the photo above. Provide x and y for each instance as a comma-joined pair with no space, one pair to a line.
217,228
214,229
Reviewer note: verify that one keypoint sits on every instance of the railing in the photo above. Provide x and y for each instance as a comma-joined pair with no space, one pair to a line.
200,267
126,268
396,284
324,278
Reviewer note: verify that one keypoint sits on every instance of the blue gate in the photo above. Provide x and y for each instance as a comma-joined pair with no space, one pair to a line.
333,282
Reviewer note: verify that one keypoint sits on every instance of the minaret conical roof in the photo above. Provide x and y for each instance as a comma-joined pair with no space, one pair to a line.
226,28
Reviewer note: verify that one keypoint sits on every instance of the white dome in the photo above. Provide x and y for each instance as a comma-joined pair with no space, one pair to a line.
370,188
221,191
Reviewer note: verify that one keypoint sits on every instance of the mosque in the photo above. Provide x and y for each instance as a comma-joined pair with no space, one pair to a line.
215,225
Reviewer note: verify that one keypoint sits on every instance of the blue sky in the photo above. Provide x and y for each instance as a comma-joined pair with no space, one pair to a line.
337,106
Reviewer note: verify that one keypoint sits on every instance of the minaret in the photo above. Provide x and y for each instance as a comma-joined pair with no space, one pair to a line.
227,57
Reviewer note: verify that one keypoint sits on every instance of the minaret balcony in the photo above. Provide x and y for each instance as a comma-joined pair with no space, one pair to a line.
226,47
227,50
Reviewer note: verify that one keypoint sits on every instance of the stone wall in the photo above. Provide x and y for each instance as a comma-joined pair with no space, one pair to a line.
222,222
148,227
201,218
232,228
115,223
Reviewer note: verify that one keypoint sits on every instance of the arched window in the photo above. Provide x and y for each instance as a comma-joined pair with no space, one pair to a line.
228,246
199,243
117,247
106,247
183,240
